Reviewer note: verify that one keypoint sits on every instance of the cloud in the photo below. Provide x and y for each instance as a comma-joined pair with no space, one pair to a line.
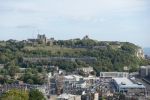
26,27
43,12
87,16
74,9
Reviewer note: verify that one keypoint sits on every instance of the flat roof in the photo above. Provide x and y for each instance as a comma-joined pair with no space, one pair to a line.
65,96
148,66
72,76
127,83
114,72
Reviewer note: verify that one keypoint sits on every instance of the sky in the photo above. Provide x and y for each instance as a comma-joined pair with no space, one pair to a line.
103,20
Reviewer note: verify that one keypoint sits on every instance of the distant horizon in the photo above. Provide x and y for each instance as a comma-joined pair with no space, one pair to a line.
60,38
147,51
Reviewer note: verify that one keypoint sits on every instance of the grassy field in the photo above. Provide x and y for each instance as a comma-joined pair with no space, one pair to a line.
54,49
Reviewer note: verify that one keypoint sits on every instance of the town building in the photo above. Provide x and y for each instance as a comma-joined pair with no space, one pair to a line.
90,96
81,84
49,75
72,78
41,39
147,57
76,84
32,41
75,81
86,69
114,74
144,71
59,79
86,37
128,87
68,97
91,77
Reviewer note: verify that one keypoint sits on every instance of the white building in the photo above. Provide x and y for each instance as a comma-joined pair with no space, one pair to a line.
90,77
68,97
128,87
86,69
144,71
49,75
76,80
72,78
81,84
114,74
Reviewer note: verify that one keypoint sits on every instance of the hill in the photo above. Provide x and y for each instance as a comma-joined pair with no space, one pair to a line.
74,53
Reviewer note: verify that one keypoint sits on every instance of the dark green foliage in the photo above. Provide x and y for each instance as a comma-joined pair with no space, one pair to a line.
36,95
15,94
32,76
112,58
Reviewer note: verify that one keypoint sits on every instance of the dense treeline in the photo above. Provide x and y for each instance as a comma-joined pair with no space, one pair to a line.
111,56
18,94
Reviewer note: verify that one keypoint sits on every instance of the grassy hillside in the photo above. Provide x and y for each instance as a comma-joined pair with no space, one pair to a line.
111,56
53,49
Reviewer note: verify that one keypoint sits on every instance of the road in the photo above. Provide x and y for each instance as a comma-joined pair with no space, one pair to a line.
145,84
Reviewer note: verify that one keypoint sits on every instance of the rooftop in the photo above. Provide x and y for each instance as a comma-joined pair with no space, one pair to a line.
81,82
115,72
126,83
65,96
72,76
148,66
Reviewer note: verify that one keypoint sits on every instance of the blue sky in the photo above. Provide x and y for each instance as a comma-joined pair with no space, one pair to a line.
107,20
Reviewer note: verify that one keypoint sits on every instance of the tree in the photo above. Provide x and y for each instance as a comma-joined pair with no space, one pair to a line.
93,73
3,58
36,95
30,81
15,94
122,97
13,70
